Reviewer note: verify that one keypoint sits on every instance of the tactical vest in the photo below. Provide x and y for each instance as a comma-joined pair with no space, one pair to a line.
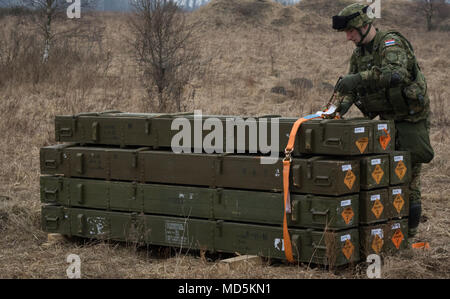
399,102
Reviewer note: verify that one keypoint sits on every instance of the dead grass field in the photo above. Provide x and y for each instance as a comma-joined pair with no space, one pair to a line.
250,48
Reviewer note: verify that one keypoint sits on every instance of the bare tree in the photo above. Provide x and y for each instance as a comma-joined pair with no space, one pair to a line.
431,9
165,49
47,12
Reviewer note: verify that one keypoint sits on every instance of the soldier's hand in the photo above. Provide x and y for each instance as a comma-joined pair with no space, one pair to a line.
330,116
348,83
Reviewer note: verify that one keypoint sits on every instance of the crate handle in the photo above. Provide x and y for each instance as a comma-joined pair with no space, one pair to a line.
52,193
309,139
95,127
320,247
336,142
319,213
322,181
51,222
80,218
50,164
65,132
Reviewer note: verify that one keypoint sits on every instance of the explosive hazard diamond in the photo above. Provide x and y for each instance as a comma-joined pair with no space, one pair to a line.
398,203
377,208
377,174
400,170
362,143
377,243
348,249
349,179
347,214
385,139
397,238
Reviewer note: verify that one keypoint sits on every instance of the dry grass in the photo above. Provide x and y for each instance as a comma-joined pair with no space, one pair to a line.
249,49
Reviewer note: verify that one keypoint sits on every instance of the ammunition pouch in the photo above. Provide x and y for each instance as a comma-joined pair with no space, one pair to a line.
373,104
376,102
398,101
415,97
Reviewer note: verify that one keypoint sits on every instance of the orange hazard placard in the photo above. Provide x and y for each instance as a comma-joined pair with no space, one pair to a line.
398,203
377,174
377,243
385,139
377,208
362,143
349,179
397,238
347,214
348,249
400,169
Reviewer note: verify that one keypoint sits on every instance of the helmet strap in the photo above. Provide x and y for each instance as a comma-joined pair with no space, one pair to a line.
363,36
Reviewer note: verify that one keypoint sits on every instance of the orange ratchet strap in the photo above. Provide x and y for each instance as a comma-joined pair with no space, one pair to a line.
286,168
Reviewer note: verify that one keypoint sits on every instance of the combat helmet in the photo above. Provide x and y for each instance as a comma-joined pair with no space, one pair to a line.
353,16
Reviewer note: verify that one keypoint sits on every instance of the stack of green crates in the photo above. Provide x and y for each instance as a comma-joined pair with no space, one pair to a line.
116,177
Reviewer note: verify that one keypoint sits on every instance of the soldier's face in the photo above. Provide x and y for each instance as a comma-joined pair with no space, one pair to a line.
353,35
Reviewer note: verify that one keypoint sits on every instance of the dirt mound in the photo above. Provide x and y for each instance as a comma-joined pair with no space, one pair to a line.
235,13
323,8
311,15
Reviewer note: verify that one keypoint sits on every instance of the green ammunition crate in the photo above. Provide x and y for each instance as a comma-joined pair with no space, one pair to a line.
400,163
317,247
197,202
397,235
398,203
373,206
383,143
317,175
106,128
374,239
384,238
374,171
331,137
335,137
336,248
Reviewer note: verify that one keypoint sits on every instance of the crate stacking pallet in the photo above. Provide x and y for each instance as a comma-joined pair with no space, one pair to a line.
116,177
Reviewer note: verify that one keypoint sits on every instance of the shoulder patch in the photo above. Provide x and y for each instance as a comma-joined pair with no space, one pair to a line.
392,56
389,42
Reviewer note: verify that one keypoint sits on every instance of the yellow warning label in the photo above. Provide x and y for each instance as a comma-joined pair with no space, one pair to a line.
348,249
349,179
400,170
397,238
347,214
398,203
377,208
377,173
377,243
362,143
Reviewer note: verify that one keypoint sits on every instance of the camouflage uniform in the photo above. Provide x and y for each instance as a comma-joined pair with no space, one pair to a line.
386,81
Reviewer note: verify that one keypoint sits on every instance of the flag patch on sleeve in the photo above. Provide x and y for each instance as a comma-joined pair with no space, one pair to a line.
390,42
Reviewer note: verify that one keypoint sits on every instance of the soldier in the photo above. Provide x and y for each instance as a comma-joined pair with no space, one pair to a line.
385,80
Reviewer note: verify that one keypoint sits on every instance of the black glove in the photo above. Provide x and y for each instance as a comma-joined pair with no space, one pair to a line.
348,83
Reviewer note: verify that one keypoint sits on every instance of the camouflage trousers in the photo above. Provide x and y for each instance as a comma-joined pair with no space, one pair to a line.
414,137
415,200
414,186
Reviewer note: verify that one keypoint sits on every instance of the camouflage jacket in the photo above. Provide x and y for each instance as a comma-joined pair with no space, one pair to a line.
393,85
